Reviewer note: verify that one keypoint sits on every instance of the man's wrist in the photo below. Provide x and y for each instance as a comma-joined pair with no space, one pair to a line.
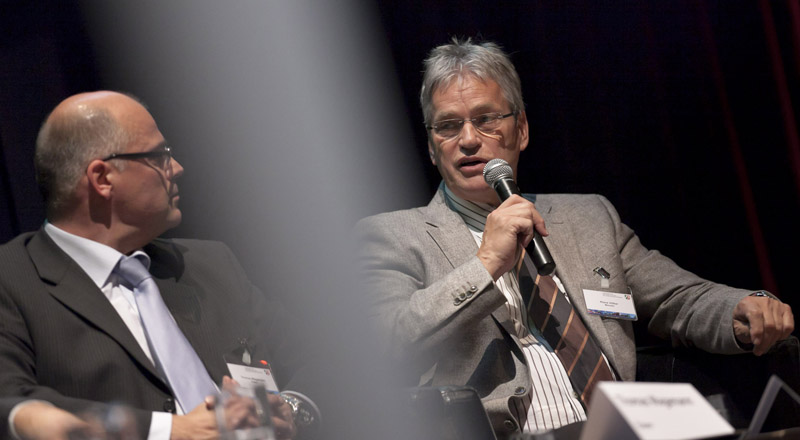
305,413
13,414
491,266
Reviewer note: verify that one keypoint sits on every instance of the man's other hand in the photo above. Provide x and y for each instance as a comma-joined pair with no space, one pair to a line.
282,419
42,421
762,321
509,228
200,423
241,412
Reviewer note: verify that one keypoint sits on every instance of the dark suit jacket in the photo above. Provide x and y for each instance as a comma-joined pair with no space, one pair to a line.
62,341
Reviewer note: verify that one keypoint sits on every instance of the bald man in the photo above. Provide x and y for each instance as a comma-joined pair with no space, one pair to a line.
70,326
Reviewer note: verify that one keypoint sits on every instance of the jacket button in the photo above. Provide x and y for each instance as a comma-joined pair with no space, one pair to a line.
519,391
456,302
473,289
509,424
169,406
462,296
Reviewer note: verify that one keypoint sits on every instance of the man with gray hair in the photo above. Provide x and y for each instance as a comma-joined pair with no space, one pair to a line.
94,308
460,302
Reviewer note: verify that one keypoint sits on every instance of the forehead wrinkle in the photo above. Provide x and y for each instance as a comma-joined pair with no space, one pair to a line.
459,86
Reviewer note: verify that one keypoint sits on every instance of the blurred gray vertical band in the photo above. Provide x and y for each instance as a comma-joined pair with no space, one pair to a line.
288,120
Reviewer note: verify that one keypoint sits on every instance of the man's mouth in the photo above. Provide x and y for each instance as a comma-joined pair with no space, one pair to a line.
471,164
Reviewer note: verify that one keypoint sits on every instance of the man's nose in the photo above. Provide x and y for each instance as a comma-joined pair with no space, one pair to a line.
175,168
468,138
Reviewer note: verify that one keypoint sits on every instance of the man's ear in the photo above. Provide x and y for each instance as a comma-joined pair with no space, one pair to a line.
522,130
431,151
100,177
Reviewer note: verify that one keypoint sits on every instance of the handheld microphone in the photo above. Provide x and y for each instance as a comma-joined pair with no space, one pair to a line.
498,174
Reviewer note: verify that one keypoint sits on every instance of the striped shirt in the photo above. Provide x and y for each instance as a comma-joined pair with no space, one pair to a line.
551,401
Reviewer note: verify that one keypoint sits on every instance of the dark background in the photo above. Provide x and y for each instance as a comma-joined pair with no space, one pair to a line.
682,113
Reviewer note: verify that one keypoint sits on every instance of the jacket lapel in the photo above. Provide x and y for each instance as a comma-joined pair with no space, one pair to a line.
449,231
456,242
573,272
70,285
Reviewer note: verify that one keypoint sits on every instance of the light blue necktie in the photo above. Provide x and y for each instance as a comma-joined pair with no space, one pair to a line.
174,355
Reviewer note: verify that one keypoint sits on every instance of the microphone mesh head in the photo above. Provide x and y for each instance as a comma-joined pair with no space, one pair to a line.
496,170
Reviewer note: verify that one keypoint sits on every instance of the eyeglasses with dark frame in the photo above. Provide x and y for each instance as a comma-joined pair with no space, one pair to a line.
161,157
485,123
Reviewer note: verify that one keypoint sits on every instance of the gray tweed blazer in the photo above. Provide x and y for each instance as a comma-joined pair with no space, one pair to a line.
417,262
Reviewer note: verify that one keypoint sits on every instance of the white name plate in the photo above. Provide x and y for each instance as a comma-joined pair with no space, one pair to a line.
651,411
251,377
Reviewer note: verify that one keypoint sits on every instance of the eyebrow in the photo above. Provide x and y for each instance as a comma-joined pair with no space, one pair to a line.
480,109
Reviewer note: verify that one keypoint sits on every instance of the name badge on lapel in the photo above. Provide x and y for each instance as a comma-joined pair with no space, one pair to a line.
600,300
250,373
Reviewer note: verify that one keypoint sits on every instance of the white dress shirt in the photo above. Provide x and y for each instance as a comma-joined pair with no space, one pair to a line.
99,261
551,402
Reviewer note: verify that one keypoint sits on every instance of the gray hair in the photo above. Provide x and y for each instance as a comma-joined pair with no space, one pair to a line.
485,61
65,146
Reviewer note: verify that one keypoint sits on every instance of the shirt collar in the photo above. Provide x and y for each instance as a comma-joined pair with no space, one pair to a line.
474,214
96,259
